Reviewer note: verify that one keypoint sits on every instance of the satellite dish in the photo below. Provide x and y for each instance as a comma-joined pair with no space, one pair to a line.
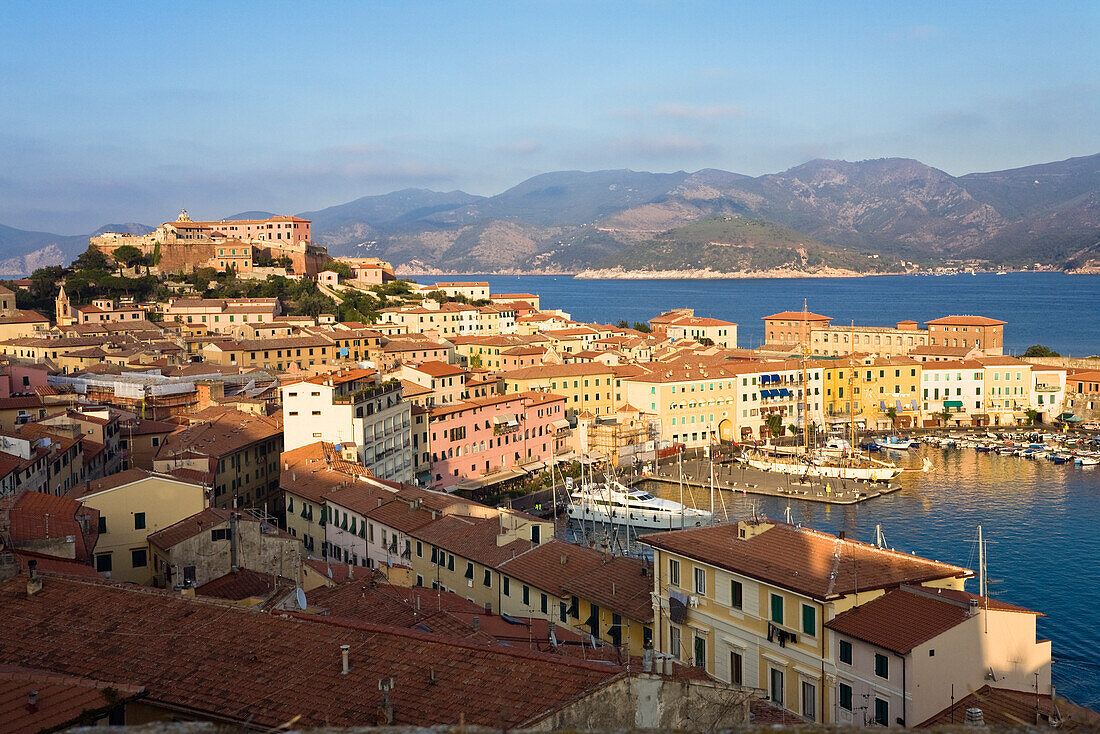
301,595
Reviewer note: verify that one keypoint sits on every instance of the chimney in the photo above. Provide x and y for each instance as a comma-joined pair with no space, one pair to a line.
34,583
477,623
840,535
385,709
974,717
32,702
647,658
973,607
344,654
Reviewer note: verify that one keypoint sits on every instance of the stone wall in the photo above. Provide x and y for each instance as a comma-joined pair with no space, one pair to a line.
647,701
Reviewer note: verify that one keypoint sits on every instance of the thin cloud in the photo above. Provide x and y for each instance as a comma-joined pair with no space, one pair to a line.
694,112
523,147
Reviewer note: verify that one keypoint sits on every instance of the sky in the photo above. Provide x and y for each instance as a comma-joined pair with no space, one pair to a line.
127,112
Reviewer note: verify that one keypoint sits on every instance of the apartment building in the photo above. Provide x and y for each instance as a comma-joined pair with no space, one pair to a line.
16,322
234,453
222,314
132,505
590,386
1007,388
503,433
955,390
1048,391
981,332
724,603
446,383
883,341
354,409
907,655
278,354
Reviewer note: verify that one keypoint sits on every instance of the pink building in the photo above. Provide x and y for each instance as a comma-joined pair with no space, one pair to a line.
21,379
488,435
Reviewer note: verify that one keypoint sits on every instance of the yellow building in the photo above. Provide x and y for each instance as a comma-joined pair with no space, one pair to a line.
748,601
890,383
1007,389
590,386
132,505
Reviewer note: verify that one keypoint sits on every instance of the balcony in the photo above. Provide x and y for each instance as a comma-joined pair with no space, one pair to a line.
369,393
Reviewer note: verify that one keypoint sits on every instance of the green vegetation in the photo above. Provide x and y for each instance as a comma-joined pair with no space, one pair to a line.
1038,350
774,424
737,244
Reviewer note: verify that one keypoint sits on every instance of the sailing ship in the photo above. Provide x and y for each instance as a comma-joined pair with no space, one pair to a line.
615,504
835,460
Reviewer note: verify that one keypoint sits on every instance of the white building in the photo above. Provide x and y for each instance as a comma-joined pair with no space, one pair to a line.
955,387
367,418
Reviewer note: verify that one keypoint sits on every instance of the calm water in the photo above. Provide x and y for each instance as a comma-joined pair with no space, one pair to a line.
1039,524
1054,309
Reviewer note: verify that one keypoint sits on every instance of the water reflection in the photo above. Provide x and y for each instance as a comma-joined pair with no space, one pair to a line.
1039,519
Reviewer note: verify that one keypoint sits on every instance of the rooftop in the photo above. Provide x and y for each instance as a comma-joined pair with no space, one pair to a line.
810,562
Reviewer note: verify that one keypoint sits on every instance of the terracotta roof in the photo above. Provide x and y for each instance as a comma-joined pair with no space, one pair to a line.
400,515
209,658
38,516
473,538
191,526
62,700
53,564
965,321
906,617
240,584
806,561
1003,708
622,585
552,565
939,350
438,369
797,316
549,371
381,603
315,470
229,432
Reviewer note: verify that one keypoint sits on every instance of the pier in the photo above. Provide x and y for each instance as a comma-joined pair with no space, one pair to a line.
740,478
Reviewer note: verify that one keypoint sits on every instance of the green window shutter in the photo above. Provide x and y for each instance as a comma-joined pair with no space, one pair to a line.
809,620
777,609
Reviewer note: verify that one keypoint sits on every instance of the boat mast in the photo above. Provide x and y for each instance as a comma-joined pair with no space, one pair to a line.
805,383
852,382
981,563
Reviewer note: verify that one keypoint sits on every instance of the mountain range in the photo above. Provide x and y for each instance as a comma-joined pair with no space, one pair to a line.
836,211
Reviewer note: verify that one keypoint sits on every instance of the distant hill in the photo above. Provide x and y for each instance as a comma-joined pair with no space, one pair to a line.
738,244
254,214
570,220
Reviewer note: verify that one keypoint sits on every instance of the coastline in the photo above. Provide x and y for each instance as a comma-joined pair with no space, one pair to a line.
618,274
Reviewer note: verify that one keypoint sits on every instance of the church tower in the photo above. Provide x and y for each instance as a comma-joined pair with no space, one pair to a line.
63,309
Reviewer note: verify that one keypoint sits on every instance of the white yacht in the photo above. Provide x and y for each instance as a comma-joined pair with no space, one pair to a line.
615,504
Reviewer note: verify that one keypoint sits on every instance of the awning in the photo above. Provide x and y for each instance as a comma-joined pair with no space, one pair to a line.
567,456
952,404
560,424
785,392
533,467
505,419
765,378
775,378
592,458
488,480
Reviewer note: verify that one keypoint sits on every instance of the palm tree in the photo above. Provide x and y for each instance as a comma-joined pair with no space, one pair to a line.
774,424
892,414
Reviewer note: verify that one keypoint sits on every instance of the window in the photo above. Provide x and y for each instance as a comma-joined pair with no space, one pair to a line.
102,524
736,592
736,666
545,606
700,659
526,594
673,572
777,609
674,641
507,587
882,712
777,686
882,666
845,652
700,581
139,521
103,563
809,620
138,558
809,699
845,697
487,580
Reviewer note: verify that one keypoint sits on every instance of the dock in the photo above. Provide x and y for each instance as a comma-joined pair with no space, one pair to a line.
739,478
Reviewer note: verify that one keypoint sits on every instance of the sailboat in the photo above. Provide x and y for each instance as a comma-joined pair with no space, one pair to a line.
830,462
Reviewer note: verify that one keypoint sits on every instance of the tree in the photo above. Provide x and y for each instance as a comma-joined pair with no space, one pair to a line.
774,424
340,268
438,296
127,256
944,416
475,361
1038,350
892,414
642,327
622,324
1032,416
91,259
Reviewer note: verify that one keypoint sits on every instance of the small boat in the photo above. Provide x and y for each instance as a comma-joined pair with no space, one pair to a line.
615,504
1061,458
896,443
1089,461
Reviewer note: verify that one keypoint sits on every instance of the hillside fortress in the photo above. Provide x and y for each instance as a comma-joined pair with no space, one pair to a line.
228,244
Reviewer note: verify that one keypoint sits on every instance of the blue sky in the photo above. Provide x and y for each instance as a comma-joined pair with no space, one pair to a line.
116,112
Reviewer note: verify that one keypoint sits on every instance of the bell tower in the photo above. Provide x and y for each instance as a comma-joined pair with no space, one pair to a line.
63,308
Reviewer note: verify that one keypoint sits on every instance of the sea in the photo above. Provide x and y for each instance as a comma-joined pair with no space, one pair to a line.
1039,519
1054,309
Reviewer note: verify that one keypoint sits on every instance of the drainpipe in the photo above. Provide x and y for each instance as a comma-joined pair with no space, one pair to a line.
233,540
904,700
